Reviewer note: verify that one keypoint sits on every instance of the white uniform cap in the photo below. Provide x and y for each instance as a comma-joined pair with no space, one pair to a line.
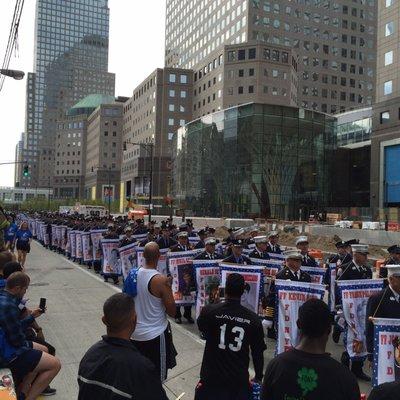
273,233
210,240
295,254
393,270
359,248
260,239
301,239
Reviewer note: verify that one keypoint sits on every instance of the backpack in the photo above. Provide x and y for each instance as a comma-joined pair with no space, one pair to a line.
130,283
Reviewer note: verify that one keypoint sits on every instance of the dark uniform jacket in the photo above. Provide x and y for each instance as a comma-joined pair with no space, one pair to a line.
200,244
166,243
240,260
383,271
274,249
207,256
351,272
285,274
113,369
125,241
178,247
259,254
309,261
380,305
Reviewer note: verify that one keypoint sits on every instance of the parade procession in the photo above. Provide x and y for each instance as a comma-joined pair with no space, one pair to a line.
277,288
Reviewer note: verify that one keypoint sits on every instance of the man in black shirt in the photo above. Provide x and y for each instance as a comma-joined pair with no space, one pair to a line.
113,368
231,330
307,372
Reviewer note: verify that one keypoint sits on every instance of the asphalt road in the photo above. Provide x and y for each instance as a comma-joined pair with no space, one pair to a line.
72,323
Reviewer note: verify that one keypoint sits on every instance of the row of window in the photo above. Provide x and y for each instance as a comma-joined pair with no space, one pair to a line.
183,78
208,68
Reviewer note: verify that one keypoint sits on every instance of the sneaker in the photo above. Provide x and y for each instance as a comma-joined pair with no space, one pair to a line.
49,391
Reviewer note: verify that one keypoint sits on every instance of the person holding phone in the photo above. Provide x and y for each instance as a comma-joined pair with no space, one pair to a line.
24,238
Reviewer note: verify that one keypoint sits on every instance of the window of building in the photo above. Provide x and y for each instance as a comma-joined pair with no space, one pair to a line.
183,94
252,54
387,87
170,121
114,133
172,78
105,133
184,78
388,58
240,90
182,122
385,117
230,91
251,71
275,73
172,93
389,28
251,89
241,54
388,3
241,73
181,108
171,107
170,135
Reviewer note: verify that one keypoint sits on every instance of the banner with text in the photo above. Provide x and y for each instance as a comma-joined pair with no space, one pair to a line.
180,267
87,253
208,277
290,295
127,255
254,282
78,240
332,286
317,274
355,295
111,264
386,364
72,239
96,235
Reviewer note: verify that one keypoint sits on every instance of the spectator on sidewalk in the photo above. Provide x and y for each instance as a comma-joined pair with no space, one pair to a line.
230,330
113,368
385,391
154,301
5,257
307,371
29,362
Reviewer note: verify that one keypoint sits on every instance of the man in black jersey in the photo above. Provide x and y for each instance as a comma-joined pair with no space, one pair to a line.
230,330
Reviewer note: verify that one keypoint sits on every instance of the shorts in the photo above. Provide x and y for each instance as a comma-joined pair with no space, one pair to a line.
160,351
25,363
23,246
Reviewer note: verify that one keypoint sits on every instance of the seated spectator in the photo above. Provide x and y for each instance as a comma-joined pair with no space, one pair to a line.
386,391
29,362
113,368
5,257
307,372
33,332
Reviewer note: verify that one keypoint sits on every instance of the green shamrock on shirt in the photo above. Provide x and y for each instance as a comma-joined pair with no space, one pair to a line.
307,379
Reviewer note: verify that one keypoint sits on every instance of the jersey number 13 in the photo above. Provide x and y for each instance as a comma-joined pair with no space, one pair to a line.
238,339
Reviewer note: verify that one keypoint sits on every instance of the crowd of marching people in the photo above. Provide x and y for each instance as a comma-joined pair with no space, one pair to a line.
243,287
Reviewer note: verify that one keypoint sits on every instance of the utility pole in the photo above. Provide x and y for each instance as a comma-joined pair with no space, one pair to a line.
109,191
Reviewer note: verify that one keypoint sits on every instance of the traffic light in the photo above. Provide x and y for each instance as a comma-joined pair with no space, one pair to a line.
26,171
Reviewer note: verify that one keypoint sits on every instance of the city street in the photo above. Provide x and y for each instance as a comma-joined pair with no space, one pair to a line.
73,323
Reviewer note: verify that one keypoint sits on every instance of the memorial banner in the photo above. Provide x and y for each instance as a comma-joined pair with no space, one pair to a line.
208,278
59,236
276,256
96,235
317,274
386,363
78,235
63,238
162,267
290,295
127,255
183,283
193,240
355,295
254,283
87,252
111,264
46,236
139,256
72,239
68,244
54,241
270,269
332,286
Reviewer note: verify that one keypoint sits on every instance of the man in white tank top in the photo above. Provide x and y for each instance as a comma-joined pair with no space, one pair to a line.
154,302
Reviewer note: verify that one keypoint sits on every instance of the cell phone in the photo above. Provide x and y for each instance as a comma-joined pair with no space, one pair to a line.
42,304
221,292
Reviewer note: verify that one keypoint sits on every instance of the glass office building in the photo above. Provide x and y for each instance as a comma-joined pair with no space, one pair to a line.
254,160
70,62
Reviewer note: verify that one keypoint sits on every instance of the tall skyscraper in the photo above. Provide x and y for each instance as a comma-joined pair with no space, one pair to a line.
70,62
335,42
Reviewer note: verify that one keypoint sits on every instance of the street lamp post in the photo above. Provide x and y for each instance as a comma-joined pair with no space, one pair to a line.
109,191
150,150
12,73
